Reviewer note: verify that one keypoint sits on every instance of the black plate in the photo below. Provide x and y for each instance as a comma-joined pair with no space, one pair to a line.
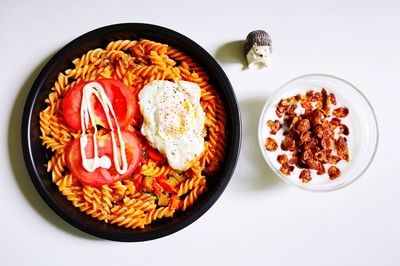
35,154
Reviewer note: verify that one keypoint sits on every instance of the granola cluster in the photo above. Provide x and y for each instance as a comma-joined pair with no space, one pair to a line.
314,137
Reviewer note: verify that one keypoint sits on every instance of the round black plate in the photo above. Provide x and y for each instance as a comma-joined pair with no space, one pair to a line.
35,154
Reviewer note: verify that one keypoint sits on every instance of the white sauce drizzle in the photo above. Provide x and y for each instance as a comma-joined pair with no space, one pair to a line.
94,88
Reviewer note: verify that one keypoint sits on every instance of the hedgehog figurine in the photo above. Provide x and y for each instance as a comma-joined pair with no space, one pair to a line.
258,48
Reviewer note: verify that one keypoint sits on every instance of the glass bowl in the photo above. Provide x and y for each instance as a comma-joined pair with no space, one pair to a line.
362,140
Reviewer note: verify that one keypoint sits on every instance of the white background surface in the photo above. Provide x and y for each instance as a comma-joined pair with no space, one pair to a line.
259,220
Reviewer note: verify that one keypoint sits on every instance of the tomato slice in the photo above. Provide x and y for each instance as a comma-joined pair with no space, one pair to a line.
102,176
123,100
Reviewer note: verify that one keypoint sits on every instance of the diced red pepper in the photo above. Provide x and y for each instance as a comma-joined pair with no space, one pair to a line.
175,202
155,155
163,181
137,181
157,189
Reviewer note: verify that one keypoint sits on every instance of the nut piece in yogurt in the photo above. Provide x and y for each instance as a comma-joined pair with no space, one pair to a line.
258,48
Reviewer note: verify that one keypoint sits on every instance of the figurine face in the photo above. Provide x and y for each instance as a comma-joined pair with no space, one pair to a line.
259,55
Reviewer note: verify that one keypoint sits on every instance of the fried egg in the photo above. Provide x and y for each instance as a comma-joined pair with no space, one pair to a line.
173,120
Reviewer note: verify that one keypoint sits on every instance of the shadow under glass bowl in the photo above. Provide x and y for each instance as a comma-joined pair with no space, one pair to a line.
36,156
362,123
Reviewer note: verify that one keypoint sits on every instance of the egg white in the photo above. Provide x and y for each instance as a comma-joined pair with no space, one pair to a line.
173,120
